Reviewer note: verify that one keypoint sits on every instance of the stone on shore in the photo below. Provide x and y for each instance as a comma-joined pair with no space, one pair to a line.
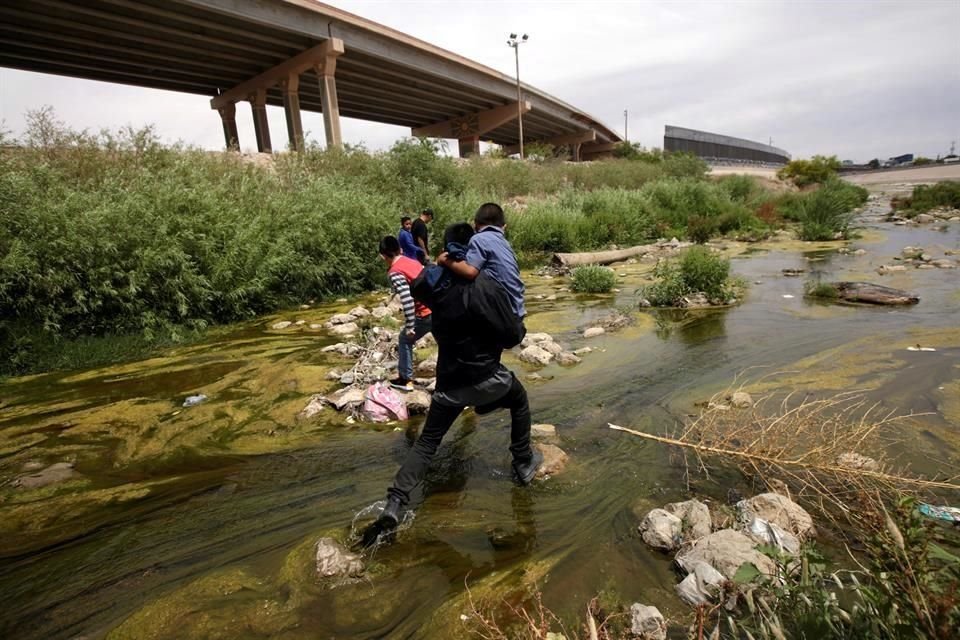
315,406
781,511
554,460
417,401
593,332
552,347
333,560
427,367
349,397
54,474
380,313
856,461
340,318
283,324
695,517
346,329
535,355
661,530
740,399
647,623
358,312
535,338
725,551
567,359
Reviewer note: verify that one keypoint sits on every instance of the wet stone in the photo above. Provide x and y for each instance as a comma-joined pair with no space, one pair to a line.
593,332
283,324
346,329
54,474
535,355
543,431
661,529
335,561
647,623
315,406
554,460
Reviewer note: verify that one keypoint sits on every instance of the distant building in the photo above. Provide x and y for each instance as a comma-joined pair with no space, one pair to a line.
899,161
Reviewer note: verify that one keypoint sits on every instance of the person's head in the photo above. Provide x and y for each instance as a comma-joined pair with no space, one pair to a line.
389,248
489,214
460,232
427,215
406,223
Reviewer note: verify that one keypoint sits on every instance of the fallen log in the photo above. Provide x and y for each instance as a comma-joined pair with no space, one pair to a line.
873,293
602,257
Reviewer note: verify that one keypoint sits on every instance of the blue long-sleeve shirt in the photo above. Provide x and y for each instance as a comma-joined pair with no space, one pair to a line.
408,247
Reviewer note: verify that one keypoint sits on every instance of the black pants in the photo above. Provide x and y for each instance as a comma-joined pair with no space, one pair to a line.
439,420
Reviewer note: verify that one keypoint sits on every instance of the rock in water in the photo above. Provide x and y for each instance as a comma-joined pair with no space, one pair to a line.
661,530
873,293
554,460
314,407
283,324
695,517
346,329
333,560
740,399
593,332
647,623
543,431
55,473
701,585
725,551
535,355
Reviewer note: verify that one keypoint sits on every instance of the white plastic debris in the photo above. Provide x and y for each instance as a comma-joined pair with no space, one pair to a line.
192,401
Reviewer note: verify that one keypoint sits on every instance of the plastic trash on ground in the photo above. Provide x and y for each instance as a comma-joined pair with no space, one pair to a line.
192,401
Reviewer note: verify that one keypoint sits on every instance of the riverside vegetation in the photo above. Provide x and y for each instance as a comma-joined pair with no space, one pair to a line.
115,235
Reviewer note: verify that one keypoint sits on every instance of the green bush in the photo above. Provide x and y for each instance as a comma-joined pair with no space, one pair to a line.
817,170
821,290
592,279
697,270
926,197
826,213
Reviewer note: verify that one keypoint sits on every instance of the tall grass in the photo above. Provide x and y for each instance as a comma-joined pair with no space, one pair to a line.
824,214
926,197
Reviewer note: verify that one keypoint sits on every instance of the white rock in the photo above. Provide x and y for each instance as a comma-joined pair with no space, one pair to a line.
551,346
890,268
417,401
856,461
535,338
859,252
554,460
341,318
358,312
582,350
781,511
695,517
315,326
543,431
740,399
380,313
333,560
535,355
661,529
725,551
315,406
647,623
347,329
593,332
567,359
348,397
283,324
300,323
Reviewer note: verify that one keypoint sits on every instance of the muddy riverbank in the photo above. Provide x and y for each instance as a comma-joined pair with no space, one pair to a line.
197,522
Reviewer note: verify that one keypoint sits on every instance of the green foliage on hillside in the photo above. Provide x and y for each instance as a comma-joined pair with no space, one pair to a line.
926,197
816,170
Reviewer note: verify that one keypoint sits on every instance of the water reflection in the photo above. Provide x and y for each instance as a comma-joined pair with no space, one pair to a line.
691,327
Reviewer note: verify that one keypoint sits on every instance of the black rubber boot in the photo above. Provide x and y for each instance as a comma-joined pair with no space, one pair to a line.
382,529
525,470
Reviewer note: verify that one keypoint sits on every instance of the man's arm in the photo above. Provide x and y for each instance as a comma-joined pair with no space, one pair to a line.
402,289
423,246
460,268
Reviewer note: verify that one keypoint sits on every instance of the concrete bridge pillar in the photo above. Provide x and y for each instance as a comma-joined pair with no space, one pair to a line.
469,146
228,117
291,107
326,69
258,103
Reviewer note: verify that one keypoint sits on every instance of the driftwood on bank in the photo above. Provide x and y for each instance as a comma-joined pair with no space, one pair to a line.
873,293
601,257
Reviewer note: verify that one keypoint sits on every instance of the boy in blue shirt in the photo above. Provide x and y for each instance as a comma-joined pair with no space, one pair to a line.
408,247
490,252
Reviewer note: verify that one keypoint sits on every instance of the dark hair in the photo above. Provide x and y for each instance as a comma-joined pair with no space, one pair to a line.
459,232
404,219
427,212
389,247
489,214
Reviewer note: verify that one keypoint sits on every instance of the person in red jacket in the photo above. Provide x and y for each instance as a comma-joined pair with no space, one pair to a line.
401,271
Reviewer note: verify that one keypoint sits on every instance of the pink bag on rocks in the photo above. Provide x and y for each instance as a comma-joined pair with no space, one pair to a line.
383,404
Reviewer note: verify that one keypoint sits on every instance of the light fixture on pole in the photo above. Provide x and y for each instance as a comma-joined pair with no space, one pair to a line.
515,43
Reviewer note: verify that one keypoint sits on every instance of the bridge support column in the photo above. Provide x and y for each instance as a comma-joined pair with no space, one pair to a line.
576,152
469,146
261,128
228,117
291,107
326,70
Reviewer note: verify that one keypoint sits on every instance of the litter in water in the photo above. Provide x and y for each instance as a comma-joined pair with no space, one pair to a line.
949,514
787,295
192,401
919,348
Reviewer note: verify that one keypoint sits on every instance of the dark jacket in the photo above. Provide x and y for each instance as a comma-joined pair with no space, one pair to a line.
473,322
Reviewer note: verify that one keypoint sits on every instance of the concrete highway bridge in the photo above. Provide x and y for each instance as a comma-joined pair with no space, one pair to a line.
298,54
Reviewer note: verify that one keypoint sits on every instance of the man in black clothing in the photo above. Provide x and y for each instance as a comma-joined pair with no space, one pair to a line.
470,337
420,234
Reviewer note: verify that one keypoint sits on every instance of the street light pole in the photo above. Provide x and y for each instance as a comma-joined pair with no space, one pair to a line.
625,136
515,43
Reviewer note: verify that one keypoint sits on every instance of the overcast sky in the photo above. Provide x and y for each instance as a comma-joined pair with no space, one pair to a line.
855,79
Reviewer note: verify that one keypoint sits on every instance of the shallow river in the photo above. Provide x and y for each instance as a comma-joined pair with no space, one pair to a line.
199,522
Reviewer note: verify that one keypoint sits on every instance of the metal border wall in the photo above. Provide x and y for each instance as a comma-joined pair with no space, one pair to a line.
716,146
